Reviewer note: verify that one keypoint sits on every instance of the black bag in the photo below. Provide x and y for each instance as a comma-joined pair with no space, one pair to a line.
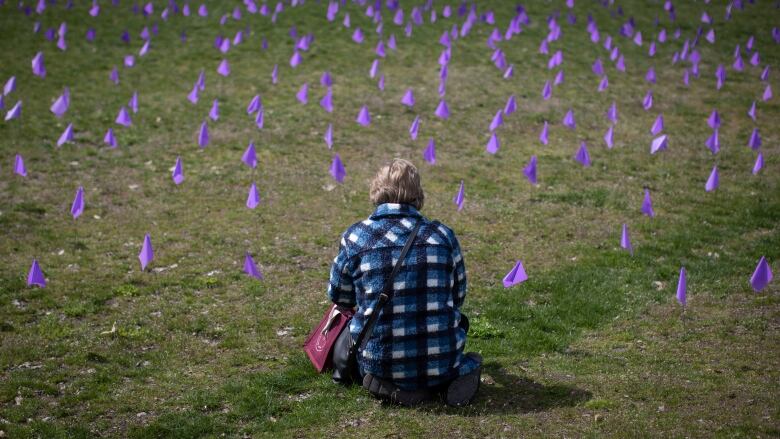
345,350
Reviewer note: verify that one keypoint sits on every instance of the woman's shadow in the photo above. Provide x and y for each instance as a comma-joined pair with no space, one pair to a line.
504,393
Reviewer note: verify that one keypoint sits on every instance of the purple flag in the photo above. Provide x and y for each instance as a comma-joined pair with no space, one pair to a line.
430,152
650,76
19,168
682,286
337,170
739,64
327,101
178,173
659,143
493,144
364,117
612,113
712,181
530,170
582,155
547,91
250,157
620,65
755,59
765,74
224,68
658,125
133,102
66,136
459,197
597,67
761,276
254,105
214,112
609,137
767,93
647,204
329,136
408,98
752,111
374,68
414,128
497,121
60,105
713,143
357,36
758,164
625,241
543,136
35,277
253,198
515,276
14,112
194,95
260,118
381,83
326,80
38,65
123,118
511,105
303,94
568,120
647,103
755,139
604,83
442,110
250,268
147,252
720,76
9,86
77,208
203,134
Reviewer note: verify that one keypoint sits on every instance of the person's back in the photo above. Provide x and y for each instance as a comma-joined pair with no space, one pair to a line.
417,344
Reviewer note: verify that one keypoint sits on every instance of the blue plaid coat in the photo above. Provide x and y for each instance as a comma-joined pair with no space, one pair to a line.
417,342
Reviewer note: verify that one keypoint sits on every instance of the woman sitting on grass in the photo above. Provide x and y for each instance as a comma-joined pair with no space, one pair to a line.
416,348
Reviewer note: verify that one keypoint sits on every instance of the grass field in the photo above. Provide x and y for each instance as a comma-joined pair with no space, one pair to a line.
593,344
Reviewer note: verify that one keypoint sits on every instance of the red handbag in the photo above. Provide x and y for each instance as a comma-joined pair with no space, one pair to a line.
319,344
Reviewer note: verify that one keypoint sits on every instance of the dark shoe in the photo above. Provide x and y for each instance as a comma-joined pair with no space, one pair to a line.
386,390
463,389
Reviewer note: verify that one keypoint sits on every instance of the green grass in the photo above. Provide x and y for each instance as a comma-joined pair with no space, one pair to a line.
592,345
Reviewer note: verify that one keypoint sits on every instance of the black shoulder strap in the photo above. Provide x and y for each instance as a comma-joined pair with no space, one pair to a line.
387,292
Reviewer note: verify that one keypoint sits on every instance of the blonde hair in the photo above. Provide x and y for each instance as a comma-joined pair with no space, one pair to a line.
397,182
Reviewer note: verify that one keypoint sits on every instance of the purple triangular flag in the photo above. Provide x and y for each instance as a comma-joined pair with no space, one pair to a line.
459,197
714,120
414,128
658,125
203,134
123,118
647,204
337,170
758,164
194,95
133,102
752,111
650,75
35,276
625,241
60,105
511,105
357,36
254,105
381,83
762,275
647,103
10,85
568,120
408,98
250,268
224,68
612,113
609,137
19,168
14,112
755,139
364,117
178,172
147,252
497,121
214,112
66,136
260,118
582,155
515,276
442,110
767,93
38,65
77,208
250,157
295,61
659,143
712,181
547,90
530,170
430,152
327,101
682,287
329,136
604,83
493,144
713,142
543,136
253,198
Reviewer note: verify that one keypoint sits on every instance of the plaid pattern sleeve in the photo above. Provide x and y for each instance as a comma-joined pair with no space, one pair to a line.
417,341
